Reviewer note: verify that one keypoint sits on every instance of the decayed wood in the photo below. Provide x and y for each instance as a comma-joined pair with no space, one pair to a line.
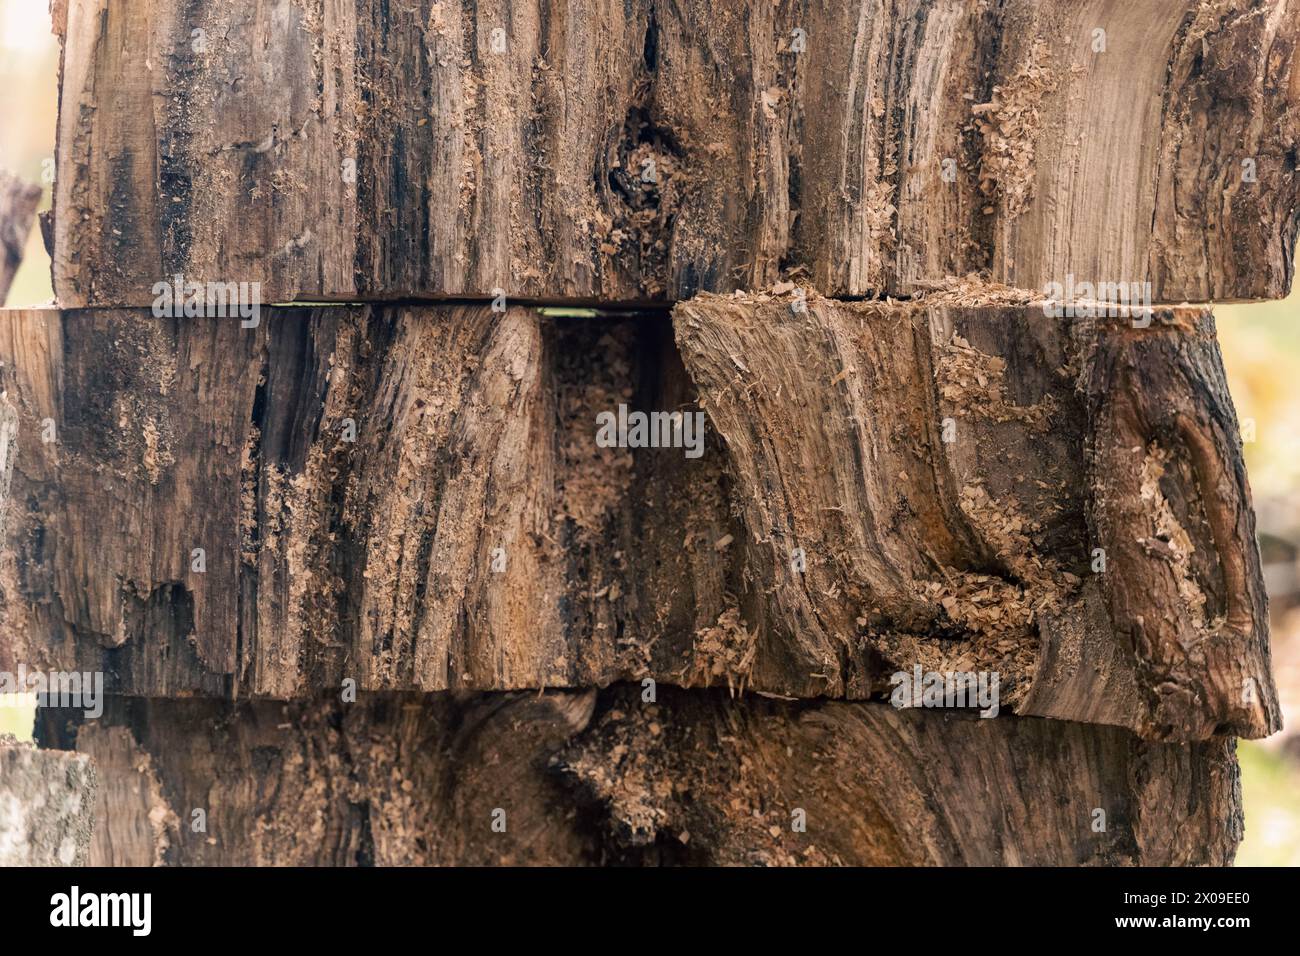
986,488
8,452
18,202
1086,533
881,786
694,778
654,149
392,780
47,806
373,560
245,526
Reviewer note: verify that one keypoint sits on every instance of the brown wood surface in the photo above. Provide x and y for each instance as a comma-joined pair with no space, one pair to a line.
692,778
828,229
884,148
372,560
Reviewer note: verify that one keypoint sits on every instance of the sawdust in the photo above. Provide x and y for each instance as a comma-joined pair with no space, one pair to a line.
274,505
1008,533
626,775
248,490
665,784
314,584
725,650
1011,655
879,212
1008,125
975,383
594,377
967,291
997,615
647,180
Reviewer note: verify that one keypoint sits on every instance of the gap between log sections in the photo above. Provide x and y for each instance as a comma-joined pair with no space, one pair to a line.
599,308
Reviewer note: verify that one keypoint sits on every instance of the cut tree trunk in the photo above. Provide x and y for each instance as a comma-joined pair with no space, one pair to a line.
366,582
650,149
587,778
1086,532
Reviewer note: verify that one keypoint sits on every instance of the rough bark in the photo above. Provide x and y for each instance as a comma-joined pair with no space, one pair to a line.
694,778
47,806
828,537
18,202
389,149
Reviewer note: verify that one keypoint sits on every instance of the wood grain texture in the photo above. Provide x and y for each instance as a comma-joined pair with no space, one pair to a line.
651,150
8,453
392,780
829,536
328,559
950,476
694,778
47,806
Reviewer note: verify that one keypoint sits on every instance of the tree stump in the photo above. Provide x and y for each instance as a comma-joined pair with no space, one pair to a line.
914,300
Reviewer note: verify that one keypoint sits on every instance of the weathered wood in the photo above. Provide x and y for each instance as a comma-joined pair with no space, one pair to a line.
47,806
474,535
709,780
1060,500
8,452
18,202
372,560
383,149
694,778
394,780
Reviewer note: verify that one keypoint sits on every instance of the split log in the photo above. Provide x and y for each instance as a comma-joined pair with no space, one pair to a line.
47,806
625,151
18,202
883,485
243,526
695,778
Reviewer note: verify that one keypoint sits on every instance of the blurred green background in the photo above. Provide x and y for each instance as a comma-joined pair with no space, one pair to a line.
1261,349
1261,352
